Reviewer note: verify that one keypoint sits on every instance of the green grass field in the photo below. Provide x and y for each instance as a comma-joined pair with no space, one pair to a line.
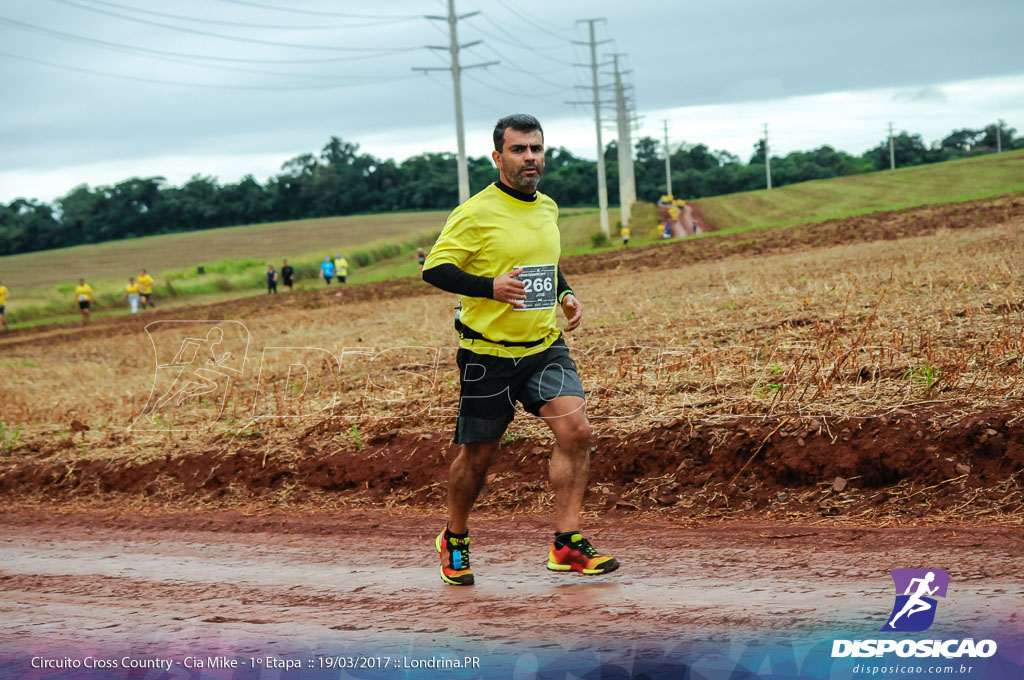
961,180
236,257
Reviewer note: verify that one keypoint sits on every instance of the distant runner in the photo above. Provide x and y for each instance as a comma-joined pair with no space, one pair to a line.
499,251
341,268
625,236
271,280
131,291
288,275
421,257
83,295
145,289
3,304
327,269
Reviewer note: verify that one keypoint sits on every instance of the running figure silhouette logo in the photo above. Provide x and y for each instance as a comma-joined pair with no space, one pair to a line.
915,605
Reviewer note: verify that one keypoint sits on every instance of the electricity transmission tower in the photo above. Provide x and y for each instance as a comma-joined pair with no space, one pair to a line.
456,68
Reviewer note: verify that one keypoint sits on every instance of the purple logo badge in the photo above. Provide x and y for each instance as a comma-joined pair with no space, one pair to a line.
915,605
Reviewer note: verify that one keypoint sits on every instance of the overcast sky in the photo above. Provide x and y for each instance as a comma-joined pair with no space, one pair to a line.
96,91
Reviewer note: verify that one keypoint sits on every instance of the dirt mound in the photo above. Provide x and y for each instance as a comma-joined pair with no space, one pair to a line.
877,226
922,465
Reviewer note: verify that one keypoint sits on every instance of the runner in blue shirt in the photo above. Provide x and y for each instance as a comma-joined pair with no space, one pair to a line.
327,269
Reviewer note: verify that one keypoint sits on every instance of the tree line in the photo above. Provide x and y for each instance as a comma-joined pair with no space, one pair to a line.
342,181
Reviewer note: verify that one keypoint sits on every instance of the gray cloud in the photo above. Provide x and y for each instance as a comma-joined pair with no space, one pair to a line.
923,94
681,53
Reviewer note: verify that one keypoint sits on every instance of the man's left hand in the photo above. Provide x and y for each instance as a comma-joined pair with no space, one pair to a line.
573,311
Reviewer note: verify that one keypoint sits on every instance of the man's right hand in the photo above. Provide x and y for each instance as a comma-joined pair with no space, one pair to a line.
507,288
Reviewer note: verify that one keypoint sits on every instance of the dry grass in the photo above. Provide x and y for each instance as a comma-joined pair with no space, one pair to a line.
850,330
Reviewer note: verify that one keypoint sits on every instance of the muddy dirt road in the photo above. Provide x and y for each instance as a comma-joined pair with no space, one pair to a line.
290,585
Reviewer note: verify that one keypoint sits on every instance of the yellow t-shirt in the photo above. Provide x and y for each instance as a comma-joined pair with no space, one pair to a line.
341,267
3,295
145,284
83,293
625,232
132,289
489,235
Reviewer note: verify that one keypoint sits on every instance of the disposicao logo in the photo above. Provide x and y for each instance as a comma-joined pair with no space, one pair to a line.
914,611
915,605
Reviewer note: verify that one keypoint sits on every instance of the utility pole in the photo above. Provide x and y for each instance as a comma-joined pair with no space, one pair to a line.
999,136
627,176
767,159
456,69
668,160
892,150
602,185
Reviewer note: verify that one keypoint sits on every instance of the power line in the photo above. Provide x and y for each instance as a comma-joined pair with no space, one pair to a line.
627,175
532,27
514,93
124,47
456,70
216,86
217,22
295,10
602,188
221,36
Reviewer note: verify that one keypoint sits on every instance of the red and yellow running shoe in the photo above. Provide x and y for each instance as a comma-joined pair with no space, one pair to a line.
454,554
578,555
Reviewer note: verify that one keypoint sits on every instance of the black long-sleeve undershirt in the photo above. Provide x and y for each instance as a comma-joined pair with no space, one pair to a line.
451,279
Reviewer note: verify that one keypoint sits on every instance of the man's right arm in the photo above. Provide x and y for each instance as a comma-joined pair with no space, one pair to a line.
451,279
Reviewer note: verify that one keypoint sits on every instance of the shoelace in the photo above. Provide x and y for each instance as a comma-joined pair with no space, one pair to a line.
463,556
586,548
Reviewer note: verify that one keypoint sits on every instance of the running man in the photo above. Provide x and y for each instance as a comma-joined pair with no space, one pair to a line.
327,269
499,251
625,236
421,257
340,268
145,289
288,275
131,291
915,604
83,295
271,280
3,305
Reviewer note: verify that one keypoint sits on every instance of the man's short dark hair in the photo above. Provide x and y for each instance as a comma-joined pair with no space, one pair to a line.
520,122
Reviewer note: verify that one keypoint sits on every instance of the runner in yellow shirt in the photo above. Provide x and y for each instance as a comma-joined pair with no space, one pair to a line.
625,236
145,289
340,268
131,291
3,303
83,294
499,251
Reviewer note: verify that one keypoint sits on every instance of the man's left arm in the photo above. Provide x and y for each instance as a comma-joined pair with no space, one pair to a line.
571,307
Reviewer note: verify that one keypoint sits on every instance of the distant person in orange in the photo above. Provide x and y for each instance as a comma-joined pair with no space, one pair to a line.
3,303
83,294
145,289
131,291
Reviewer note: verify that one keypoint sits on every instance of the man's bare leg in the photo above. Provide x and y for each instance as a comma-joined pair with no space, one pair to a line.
466,478
569,469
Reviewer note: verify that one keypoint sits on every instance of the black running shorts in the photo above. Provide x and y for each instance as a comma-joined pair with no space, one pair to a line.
492,385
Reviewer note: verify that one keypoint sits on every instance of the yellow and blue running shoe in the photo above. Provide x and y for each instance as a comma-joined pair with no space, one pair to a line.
572,552
454,553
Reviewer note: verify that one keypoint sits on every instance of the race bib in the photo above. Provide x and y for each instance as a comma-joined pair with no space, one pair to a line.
83,298
539,280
